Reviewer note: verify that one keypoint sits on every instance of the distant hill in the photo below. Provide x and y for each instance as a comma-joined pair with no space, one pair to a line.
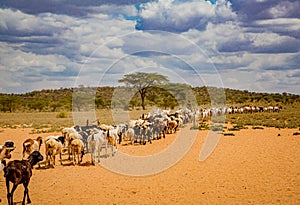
61,99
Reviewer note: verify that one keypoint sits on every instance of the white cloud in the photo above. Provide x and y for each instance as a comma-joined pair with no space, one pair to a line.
15,22
37,60
47,50
291,24
181,16
15,60
266,39
232,80
282,9
116,10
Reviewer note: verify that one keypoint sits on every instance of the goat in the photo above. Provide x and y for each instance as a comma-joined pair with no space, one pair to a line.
172,126
9,144
4,154
158,128
146,133
69,137
113,134
106,127
129,135
53,146
65,131
20,171
95,142
77,148
137,133
112,138
31,145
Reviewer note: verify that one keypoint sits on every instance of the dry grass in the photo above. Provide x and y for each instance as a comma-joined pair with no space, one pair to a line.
35,119
287,118
43,122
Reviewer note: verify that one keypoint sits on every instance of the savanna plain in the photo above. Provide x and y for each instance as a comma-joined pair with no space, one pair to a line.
259,163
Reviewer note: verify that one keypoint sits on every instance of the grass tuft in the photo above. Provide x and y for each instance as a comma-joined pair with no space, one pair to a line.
229,134
257,127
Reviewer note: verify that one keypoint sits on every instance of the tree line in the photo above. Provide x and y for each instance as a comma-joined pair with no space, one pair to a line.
147,89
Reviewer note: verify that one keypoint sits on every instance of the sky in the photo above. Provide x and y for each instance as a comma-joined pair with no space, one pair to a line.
239,44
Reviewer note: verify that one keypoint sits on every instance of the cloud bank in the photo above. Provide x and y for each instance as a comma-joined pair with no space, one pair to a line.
249,45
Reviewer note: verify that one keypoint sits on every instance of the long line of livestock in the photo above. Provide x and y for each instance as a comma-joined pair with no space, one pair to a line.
206,113
79,140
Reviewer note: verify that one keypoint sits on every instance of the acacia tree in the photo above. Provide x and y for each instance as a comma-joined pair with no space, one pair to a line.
143,81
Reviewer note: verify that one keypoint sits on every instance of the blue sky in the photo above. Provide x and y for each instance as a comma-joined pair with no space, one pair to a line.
241,44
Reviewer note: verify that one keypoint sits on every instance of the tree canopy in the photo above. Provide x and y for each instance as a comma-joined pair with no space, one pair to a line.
143,81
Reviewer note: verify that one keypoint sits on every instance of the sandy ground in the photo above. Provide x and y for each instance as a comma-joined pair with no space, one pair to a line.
252,167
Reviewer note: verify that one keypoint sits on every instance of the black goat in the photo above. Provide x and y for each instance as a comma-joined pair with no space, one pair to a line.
20,172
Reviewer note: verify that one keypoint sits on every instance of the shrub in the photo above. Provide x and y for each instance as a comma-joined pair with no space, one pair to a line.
216,128
257,127
237,127
228,134
62,114
201,126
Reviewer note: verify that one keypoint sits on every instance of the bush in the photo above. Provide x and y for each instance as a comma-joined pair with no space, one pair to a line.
257,127
216,128
237,127
62,114
228,134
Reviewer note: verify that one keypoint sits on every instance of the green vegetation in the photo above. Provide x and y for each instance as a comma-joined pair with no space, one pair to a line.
216,128
201,126
54,107
167,96
288,117
62,114
237,127
142,82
